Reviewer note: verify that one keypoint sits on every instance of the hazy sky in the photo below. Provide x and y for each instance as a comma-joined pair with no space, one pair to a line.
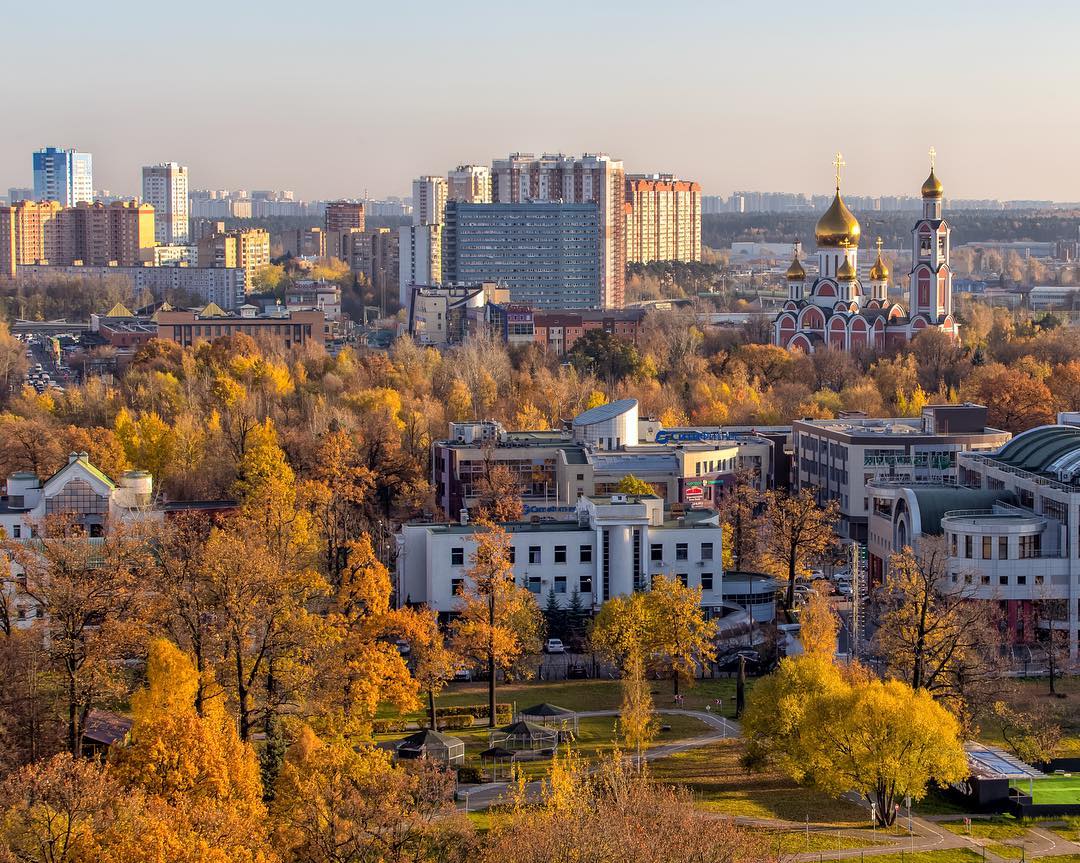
339,98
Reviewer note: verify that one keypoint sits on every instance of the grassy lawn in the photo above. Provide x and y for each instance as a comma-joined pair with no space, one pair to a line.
1026,694
596,735
952,855
1054,789
719,783
990,828
580,695
788,842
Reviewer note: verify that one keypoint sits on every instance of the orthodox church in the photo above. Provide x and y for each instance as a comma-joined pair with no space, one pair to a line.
837,310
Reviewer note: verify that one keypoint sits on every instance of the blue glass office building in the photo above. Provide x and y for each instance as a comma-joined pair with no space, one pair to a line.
546,252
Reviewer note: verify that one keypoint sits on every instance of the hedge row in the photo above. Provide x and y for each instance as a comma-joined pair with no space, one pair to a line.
478,710
388,726
447,720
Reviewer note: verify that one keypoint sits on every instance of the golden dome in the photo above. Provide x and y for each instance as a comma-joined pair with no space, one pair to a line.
879,272
795,271
838,227
846,272
932,188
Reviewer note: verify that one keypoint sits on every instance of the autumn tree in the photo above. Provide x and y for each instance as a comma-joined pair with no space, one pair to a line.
92,603
665,623
335,803
1032,736
884,740
819,625
738,506
1015,400
795,533
498,493
433,663
637,719
498,621
340,484
630,484
358,665
931,634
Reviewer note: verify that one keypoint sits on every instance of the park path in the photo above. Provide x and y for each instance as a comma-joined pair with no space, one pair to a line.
721,728
926,835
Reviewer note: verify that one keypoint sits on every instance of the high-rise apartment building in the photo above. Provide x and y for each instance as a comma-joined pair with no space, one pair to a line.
429,200
374,254
165,187
469,183
19,193
29,232
249,250
590,178
548,253
419,258
98,234
342,215
63,175
663,219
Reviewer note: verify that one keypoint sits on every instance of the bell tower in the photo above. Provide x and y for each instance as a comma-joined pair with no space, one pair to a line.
931,276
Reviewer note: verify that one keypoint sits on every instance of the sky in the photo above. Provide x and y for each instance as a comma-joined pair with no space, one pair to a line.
343,99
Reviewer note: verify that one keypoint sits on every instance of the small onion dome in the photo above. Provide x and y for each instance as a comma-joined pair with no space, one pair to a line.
879,272
932,188
838,227
846,272
795,271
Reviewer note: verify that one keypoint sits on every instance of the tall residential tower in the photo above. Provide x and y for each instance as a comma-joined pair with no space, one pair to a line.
165,188
63,175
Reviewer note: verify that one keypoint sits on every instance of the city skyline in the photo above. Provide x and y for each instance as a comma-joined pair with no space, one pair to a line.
718,99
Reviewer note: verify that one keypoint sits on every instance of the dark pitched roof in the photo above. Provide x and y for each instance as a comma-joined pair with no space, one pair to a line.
106,727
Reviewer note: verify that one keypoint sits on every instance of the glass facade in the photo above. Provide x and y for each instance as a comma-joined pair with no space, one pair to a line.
546,253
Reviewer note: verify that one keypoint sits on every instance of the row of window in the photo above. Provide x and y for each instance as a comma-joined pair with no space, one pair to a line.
585,553
585,584
1003,580
1028,546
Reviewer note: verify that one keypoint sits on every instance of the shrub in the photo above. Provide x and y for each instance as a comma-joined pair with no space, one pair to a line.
450,723
388,726
469,775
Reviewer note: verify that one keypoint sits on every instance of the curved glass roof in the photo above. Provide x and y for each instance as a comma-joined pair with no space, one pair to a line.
605,412
1041,449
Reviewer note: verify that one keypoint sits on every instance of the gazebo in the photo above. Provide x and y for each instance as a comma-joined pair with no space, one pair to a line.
523,735
550,715
434,745
497,756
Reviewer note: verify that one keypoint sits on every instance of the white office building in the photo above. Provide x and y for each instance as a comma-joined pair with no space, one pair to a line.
609,547
165,187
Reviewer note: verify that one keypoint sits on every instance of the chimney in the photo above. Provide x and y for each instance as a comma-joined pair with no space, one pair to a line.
463,516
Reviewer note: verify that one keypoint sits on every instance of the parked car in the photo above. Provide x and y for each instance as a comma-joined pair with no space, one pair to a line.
844,588
576,671
554,645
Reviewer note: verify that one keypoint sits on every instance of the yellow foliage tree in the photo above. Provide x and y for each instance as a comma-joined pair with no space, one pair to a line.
818,626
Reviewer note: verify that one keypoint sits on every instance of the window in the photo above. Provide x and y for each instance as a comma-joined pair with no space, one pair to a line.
682,578
1038,579
456,586
1003,548
952,542
585,554
706,551
1021,579
16,531
560,554
560,584
706,581
682,551
513,554
987,547
985,579
656,552
534,584
534,554
585,584
457,557
581,477
967,547
1003,579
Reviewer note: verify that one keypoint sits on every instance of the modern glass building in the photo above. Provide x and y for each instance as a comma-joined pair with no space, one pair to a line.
63,175
547,253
